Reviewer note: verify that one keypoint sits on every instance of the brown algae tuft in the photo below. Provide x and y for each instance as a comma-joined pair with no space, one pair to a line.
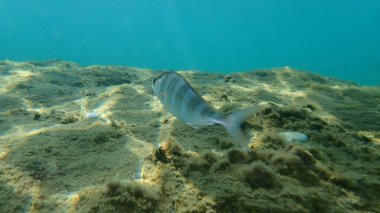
306,157
168,151
131,197
300,164
118,197
258,175
236,156
270,140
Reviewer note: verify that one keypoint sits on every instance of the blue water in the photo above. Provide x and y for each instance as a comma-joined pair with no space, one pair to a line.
338,38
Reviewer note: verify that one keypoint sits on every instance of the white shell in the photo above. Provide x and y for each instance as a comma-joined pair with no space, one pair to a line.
91,115
293,136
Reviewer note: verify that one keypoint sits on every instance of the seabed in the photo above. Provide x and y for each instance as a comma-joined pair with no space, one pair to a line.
96,139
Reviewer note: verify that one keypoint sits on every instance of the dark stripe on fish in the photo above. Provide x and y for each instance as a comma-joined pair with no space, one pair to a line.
181,93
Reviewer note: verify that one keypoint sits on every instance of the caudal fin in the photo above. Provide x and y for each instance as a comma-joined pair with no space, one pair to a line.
233,121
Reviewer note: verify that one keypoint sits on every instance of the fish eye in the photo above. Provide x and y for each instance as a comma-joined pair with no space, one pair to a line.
154,80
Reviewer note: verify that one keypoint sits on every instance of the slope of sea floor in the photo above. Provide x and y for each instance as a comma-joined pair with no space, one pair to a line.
96,139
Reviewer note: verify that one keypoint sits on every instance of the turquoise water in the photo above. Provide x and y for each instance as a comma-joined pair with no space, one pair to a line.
338,38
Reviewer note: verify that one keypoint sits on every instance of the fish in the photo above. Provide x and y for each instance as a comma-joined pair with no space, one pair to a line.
180,99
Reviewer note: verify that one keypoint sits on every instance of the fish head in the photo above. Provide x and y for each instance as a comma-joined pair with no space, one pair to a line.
158,82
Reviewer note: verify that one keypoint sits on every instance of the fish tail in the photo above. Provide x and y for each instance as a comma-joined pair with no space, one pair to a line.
233,121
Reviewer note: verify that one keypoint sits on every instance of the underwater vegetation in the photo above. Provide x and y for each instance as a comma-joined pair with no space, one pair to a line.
96,139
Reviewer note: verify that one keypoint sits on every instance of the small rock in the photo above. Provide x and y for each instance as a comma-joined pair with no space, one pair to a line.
227,78
293,136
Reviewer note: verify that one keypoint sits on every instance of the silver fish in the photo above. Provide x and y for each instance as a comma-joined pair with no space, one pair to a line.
182,100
